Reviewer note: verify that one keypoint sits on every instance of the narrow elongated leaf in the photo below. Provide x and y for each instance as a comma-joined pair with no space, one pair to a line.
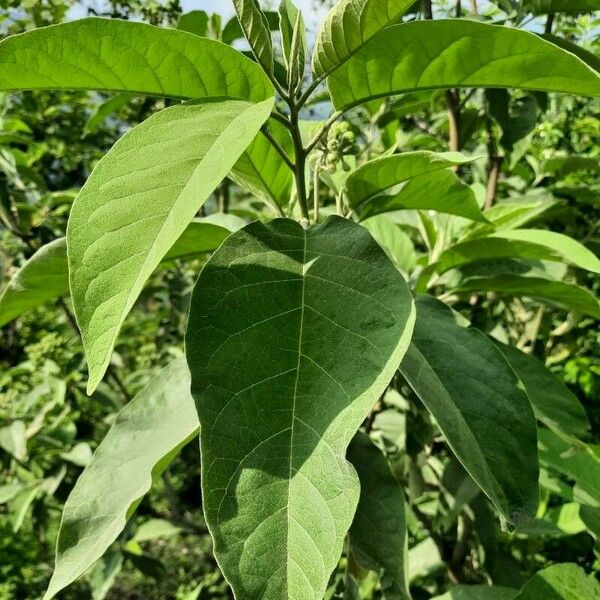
261,170
449,53
45,276
123,56
378,535
138,201
520,243
478,592
553,403
292,337
146,436
349,25
297,57
288,15
565,581
440,190
256,29
566,295
380,174
476,399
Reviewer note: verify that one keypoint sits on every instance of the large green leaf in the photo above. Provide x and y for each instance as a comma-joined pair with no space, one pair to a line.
553,403
348,27
478,592
378,535
450,53
476,399
585,55
256,29
440,190
138,200
534,244
45,276
542,7
123,56
293,335
380,174
564,581
261,170
146,436
565,295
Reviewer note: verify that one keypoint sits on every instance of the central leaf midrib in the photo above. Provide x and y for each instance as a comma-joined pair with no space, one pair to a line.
290,473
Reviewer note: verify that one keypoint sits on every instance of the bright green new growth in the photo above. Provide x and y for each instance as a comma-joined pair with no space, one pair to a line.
481,410
444,54
293,335
147,434
137,203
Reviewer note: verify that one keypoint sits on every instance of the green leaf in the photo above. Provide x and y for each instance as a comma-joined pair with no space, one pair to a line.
43,277
297,57
136,204
378,175
560,582
13,439
195,21
565,295
256,29
579,464
543,7
293,335
534,244
262,172
585,55
288,14
105,110
478,592
552,401
475,397
561,166
449,53
349,26
143,440
378,535
123,56
397,244
441,191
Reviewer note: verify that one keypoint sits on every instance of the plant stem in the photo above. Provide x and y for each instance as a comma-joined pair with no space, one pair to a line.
495,164
453,104
426,10
286,159
326,127
474,6
549,23
316,193
299,166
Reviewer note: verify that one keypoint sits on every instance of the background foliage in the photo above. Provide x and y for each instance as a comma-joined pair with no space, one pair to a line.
540,149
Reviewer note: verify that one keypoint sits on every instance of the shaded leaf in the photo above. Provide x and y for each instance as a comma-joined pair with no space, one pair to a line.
484,415
542,7
378,535
195,21
397,244
292,337
560,582
478,592
143,440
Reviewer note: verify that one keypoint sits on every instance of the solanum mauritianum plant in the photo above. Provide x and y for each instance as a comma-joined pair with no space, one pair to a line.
299,324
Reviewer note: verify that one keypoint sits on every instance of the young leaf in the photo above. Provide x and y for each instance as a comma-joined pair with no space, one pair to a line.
552,401
476,399
261,170
378,175
440,190
288,14
146,436
45,276
560,582
138,201
349,25
534,244
42,278
297,58
566,295
450,53
123,56
292,337
256,29
378,535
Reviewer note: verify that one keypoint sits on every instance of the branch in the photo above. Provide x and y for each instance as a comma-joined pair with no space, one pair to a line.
324,129
286,159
